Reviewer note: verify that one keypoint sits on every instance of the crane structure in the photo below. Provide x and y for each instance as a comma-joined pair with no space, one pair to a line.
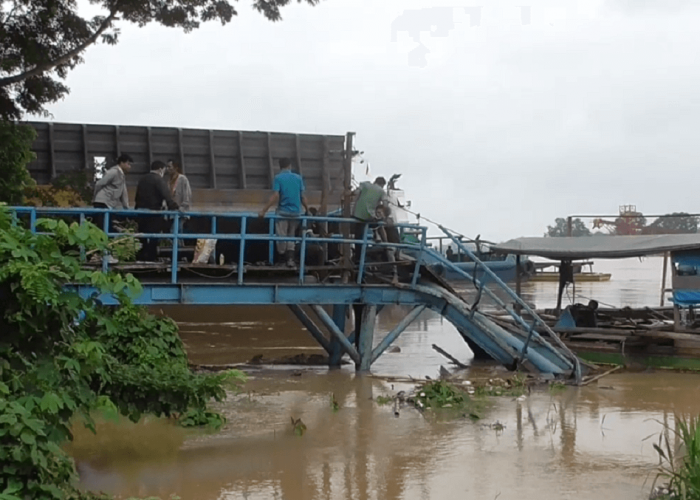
630,222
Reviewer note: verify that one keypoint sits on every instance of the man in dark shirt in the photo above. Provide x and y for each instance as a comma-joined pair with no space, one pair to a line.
151,192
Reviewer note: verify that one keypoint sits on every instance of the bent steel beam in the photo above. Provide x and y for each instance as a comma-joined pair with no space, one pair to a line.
339,336
313,329
398,330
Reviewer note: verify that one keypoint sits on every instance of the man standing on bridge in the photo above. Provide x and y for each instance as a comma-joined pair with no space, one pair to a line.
151,192
111,192
289,196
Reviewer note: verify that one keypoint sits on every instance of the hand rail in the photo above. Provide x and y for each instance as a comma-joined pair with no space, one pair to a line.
244,236
536,319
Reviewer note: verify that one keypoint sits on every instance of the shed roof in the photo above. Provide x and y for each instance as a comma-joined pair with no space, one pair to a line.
602,247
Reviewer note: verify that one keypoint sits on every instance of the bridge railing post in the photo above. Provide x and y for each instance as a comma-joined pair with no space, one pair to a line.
105,228
241,249
302,250
175,230
363,255
416,271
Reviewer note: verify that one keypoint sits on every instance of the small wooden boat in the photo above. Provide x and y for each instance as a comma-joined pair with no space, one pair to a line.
581,275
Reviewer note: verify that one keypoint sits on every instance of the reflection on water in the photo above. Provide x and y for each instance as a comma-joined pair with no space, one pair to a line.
583,443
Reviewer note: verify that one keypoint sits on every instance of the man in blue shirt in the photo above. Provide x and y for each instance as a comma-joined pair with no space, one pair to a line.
289,196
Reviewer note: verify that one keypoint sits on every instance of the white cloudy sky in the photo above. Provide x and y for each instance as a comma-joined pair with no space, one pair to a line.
505,127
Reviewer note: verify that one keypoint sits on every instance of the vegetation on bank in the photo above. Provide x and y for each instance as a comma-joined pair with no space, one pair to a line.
63,357
679,454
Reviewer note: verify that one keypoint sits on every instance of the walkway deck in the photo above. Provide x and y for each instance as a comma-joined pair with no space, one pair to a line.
367,285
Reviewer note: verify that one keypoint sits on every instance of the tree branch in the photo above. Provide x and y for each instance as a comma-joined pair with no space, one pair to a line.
41,68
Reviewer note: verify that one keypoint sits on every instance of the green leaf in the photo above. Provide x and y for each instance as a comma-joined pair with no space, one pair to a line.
28,437
51,402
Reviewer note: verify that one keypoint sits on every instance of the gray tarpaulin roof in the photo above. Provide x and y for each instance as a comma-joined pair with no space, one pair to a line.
601,247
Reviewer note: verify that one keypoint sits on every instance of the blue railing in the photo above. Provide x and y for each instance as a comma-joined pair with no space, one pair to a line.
244,236
536,322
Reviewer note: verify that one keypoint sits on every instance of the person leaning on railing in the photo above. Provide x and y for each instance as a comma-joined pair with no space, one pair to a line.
371,197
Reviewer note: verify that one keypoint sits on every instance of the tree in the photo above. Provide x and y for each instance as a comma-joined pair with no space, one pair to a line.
15,154
42,40
560,228
63,358
674,223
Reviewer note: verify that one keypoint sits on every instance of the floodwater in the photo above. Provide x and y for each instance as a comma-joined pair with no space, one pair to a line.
582,443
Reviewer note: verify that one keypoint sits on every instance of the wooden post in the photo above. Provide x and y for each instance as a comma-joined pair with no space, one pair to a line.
149,135
347,188
569,227
52,152
324,178
562,284
518,281
369,316
663,280
270,162
241,162
298,154
118,148
212,160
86,154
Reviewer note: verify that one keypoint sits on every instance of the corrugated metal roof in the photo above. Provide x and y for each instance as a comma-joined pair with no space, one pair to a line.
602,247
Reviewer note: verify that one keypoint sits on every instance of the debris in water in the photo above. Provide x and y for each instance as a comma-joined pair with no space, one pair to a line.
298,427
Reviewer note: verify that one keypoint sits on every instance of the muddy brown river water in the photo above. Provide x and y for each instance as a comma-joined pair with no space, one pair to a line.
580,443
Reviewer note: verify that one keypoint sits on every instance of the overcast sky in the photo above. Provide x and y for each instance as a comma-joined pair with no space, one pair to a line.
497,128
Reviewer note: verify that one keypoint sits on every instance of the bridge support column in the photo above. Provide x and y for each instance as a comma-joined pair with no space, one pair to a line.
335,352
366,338
337,334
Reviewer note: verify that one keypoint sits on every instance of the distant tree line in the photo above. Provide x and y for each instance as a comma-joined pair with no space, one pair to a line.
673,223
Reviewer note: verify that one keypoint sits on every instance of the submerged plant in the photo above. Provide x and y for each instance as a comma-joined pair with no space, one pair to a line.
384,400
680,459
298,427
440,394
556,387
334,404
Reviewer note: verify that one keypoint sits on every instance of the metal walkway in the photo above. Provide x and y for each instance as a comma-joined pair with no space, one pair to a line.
245,241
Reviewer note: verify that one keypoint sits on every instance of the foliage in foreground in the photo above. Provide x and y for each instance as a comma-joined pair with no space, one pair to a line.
15,154
63,357
679,452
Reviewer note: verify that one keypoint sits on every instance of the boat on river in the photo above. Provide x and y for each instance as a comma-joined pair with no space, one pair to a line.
583,272
660,335
504,266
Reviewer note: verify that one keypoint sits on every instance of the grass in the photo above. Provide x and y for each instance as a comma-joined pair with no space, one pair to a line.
557,387
384,400
440,394
679,453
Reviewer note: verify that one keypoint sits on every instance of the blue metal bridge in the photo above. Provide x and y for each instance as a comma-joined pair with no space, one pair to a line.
326,279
